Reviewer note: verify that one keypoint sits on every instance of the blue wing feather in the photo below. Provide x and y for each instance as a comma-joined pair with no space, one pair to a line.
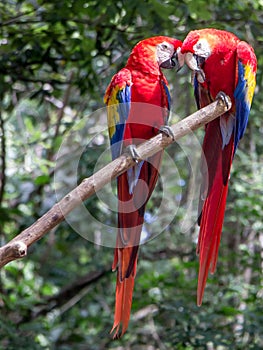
118,100
124,99
168,96
242,105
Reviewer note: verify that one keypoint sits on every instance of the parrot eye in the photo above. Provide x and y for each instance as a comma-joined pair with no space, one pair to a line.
198,46
164,46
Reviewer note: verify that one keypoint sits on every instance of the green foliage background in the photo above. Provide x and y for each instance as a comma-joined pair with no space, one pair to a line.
56,59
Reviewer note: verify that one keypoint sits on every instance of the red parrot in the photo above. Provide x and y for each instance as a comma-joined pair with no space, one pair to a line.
222,64
138,103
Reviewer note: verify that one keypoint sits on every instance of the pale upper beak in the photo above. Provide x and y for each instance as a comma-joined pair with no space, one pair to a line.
194,62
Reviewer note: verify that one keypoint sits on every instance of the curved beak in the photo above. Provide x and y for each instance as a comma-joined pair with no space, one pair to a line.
194,62
176,61
168,64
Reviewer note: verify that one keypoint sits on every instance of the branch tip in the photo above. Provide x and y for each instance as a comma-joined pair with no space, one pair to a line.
20,249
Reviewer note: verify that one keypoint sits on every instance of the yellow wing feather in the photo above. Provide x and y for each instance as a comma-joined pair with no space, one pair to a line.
118,98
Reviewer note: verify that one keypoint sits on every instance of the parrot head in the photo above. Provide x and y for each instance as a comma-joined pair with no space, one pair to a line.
168,53
197,47
160,51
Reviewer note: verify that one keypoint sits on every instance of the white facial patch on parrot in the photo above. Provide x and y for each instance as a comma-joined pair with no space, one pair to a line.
164,52
202,48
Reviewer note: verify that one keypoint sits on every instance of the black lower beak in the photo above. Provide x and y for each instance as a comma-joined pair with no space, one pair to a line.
173,62
168,64
199,60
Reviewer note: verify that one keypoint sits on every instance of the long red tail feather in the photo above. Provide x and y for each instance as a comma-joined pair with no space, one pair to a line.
123,302
130,220
216,176
209,236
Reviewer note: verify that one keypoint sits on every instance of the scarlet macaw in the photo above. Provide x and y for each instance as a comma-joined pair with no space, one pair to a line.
138,103
221,63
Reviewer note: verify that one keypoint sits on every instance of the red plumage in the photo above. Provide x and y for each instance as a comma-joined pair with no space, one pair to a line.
222,63
142,86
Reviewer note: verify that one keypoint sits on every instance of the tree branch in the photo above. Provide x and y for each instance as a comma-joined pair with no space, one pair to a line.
89,186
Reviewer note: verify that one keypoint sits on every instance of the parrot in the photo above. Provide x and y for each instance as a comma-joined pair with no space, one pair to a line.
221,65
138,103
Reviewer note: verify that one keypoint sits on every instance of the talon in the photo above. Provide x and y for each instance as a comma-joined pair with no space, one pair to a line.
132,150
167,130
222,96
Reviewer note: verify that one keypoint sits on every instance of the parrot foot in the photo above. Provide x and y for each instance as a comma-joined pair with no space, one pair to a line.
168,131
222,96
132,151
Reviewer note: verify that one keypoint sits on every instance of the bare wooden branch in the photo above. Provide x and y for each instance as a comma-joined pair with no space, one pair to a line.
12,250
